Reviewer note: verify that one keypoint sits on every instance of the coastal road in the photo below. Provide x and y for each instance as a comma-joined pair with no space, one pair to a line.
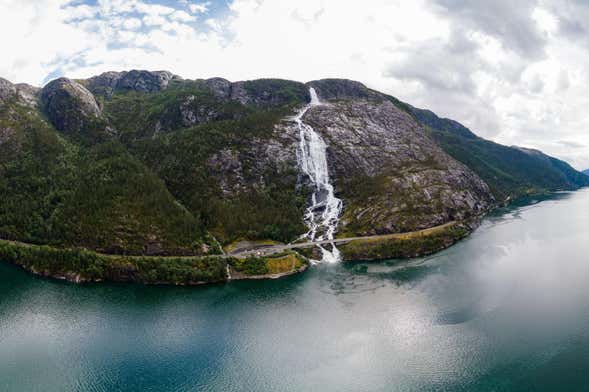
265,250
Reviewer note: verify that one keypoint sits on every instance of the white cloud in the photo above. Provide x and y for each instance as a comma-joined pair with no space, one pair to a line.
132,23
154,20
519,82
149,9
182,16
199,8
80,12
108,7
35,35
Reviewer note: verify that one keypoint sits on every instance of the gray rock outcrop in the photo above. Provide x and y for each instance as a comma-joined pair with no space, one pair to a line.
7,89
22,93
70,107
339,89
390,174
136,80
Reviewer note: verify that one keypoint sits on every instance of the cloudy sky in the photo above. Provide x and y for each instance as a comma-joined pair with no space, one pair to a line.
514,71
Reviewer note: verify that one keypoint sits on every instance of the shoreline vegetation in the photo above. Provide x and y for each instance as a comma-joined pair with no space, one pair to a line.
85,266
171,170
407,245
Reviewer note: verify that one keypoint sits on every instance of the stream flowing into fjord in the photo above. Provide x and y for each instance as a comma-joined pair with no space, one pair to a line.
322,216
506,309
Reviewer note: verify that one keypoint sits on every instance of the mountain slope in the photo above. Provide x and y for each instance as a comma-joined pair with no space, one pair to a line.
146,162
390,174
154,163
215,146
93,194
510,172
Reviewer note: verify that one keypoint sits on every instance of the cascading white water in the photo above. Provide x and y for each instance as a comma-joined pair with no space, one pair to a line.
322,216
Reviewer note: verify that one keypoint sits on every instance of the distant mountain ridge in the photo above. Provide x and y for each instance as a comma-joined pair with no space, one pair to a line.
143,162
511,172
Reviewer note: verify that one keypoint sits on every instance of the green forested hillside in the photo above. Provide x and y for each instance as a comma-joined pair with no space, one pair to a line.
101,197
126,172
273,210
119,206
38,169
176,132
136,115
509,171
148,163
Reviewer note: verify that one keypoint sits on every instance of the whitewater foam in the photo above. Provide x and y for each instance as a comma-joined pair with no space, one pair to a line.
322,216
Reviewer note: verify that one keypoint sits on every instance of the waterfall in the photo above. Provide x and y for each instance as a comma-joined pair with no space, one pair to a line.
322,216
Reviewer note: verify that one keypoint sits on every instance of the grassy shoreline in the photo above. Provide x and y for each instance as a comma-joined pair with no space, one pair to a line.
84,266
417,244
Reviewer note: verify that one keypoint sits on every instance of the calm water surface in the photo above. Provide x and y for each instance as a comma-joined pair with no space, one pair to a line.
505,310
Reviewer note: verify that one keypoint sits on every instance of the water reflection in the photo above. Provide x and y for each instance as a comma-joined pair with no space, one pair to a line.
503,310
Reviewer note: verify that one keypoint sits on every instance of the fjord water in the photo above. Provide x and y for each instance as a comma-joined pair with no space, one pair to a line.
505,310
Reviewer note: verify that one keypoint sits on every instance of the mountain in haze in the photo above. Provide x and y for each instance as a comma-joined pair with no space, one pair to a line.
586,172
510,172
146,162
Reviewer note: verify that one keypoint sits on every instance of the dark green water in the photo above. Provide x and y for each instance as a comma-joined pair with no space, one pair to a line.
505,310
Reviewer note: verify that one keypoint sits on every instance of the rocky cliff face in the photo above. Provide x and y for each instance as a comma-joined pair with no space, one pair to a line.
71,107
148,162
262,92
17,102
342,89
390,174
21,93
108,83
269,92
252,166
7,89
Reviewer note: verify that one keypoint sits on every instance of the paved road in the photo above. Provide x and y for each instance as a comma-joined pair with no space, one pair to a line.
265,250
